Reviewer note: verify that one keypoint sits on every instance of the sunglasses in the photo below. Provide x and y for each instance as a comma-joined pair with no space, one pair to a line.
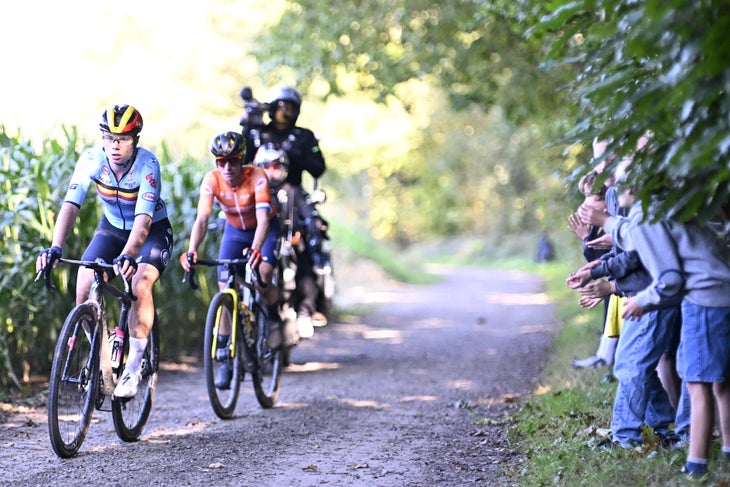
222,161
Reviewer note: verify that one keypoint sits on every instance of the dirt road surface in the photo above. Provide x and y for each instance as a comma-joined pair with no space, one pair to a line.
413,393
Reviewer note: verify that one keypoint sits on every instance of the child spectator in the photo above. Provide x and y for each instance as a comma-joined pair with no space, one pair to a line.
687,261
641,397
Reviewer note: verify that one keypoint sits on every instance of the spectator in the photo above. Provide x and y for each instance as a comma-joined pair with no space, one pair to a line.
545,249
595,244
687,261
641,397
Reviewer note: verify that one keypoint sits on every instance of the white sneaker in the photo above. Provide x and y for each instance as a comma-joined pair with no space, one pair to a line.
306,329
588,363
128,384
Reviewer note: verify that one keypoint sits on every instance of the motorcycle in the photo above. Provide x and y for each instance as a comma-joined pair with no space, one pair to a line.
306,234
304,239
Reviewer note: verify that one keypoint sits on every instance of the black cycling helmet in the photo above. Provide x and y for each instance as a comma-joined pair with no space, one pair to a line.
285,93
227,144
121,119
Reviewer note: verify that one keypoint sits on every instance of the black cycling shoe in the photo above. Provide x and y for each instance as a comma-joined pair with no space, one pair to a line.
223,376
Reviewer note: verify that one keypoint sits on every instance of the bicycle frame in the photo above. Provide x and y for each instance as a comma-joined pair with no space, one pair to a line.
240,290
82,374
248,353
99,287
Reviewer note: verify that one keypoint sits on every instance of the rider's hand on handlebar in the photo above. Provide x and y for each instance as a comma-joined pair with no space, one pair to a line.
253,256
126,266
48,257
188,260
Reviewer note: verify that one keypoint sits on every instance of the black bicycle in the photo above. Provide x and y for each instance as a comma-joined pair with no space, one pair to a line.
247,349
83,375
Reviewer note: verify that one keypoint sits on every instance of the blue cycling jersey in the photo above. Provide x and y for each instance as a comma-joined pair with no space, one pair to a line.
136,193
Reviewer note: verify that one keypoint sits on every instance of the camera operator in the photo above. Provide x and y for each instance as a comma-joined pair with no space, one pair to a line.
302,149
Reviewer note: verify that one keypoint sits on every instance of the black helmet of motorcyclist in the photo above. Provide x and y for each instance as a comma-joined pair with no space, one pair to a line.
275,162
285,94
227,144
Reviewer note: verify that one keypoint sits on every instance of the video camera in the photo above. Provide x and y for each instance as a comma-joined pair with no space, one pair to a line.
253,116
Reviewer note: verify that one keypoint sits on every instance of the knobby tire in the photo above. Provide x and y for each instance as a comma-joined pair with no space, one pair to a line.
267,371
130,414
74,381
223,401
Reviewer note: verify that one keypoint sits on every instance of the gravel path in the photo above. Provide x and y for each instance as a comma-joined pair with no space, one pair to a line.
413,393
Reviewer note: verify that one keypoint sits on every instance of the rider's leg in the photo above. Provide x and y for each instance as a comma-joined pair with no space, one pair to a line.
142,313
84,279
141,319
270,296
269,293
306,289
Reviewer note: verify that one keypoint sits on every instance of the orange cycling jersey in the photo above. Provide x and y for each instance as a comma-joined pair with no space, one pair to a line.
239,204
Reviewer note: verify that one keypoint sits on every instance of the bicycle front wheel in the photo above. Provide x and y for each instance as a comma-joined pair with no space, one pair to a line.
130,414
223,399
269,366
74,381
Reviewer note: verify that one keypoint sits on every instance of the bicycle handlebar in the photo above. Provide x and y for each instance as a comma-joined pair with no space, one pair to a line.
96,265
189,276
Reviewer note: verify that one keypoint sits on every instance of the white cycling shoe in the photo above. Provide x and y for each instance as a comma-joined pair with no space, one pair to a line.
128,384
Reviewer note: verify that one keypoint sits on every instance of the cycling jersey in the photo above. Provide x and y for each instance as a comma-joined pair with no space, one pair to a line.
136,193
238,204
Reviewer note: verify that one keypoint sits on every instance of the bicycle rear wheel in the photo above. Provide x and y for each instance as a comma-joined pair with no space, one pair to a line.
269,366
74,381
222,400
130,414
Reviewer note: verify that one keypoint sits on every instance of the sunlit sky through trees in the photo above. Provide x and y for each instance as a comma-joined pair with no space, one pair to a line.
64,61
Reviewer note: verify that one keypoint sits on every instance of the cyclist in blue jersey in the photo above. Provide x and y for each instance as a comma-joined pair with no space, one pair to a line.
134,232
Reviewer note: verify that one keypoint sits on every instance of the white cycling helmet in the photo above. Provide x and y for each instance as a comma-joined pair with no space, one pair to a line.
275,162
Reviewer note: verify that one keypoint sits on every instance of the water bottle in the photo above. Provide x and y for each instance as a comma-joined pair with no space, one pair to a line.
117,347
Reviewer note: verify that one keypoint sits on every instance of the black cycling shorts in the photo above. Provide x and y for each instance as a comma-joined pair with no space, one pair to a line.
235,241
109,241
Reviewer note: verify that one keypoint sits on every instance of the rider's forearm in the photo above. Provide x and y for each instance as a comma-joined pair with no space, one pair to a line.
138,235
262,228
64,223
197,235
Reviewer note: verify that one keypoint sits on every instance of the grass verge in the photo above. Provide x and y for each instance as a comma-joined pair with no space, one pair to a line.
398,265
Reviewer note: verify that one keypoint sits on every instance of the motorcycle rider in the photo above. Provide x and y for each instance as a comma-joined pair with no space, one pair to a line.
304,154
276,165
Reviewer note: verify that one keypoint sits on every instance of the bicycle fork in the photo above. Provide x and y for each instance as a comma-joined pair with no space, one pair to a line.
232,342
234,327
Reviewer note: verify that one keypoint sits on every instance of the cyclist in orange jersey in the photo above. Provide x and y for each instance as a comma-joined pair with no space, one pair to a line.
251,227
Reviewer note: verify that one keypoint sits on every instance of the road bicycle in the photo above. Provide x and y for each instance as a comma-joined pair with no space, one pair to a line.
82,373
248,349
